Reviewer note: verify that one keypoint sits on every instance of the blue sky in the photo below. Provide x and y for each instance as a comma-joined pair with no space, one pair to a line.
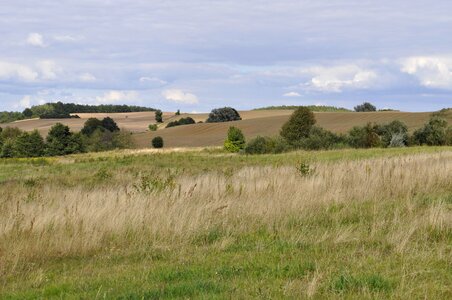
196,55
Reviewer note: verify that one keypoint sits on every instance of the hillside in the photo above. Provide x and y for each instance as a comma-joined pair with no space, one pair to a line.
266,123
253,123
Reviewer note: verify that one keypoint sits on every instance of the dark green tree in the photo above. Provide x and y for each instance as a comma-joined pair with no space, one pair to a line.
433,133
91,125
29,145
158,116
364,137
61,141
298,126
109,124
10,133
157,142
365,107
7,150
28,113
225,114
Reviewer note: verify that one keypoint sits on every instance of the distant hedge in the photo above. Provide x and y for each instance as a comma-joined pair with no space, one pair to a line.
314,108
183,121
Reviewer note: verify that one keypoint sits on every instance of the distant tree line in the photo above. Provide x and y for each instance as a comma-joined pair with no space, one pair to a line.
61,110
96,135
314,108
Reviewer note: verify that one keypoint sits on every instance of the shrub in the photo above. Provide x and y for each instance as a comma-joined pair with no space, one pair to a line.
235,140
320,138
449,136
158,116
29,145
157,142
395,131
153,127
91,125
28,113
298,126
364,137
183,121
365,107
10,133
398,140
7,117
7,149
177,112
433,133
304,169
109,124
225,114
266,145
61,141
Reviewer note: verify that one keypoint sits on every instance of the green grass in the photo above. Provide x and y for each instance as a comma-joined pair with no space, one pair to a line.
85,168
284,260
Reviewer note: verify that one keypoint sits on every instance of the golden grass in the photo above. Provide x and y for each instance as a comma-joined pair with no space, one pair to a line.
52,221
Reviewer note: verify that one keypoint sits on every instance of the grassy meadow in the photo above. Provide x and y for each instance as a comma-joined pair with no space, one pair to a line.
360,224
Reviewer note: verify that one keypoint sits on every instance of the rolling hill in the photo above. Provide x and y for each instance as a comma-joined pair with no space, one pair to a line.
253,123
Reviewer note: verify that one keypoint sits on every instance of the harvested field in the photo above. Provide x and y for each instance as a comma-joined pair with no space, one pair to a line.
254,122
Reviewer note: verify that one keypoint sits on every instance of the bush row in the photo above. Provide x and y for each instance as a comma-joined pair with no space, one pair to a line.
96,135
300,132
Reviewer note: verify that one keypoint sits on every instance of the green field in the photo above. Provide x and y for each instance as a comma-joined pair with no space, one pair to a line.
360,224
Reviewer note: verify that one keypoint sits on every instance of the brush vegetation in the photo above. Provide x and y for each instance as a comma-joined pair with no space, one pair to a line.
314,108
364,223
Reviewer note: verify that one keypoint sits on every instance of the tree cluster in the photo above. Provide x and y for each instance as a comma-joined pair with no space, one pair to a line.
365,107
59,141
102,135
225,114
182,121
96,135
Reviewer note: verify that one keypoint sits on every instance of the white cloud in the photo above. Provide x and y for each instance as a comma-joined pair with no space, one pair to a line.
435,72
180,96
117,96
336,79
292,94
35,39
68,38
17,71
48,69
152,80
87,77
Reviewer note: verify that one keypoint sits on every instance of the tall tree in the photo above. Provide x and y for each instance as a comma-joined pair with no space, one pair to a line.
298,126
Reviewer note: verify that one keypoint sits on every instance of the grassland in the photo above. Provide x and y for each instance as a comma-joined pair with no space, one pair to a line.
364,224
255,122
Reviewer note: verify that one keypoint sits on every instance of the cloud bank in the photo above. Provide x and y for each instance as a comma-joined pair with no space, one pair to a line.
238,53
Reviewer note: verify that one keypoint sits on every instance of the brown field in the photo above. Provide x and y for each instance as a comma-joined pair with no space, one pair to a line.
265,123
261,122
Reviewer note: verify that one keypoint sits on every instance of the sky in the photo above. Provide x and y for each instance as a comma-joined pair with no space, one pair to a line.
196,55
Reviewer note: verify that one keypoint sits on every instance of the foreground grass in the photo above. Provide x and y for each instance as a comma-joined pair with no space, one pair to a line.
365,224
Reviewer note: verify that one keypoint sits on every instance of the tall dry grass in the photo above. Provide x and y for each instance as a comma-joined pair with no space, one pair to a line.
50,220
